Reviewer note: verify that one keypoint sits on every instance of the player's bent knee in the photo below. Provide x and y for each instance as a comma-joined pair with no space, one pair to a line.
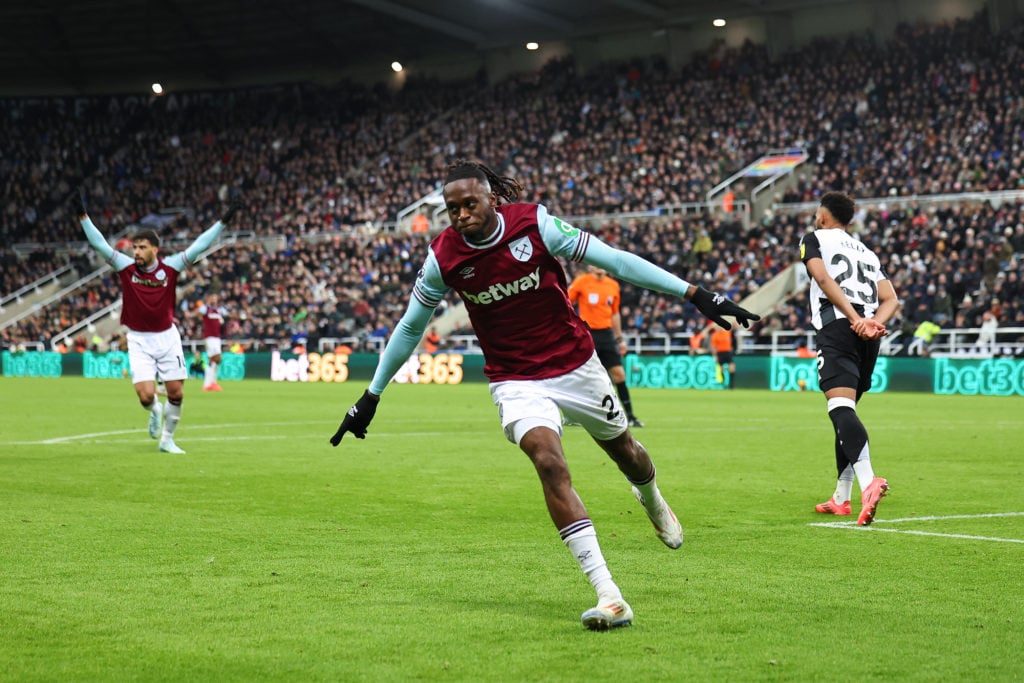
551,468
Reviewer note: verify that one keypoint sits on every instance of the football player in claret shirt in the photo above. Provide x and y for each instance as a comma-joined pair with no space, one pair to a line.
539,357
148,284
213,323
851,300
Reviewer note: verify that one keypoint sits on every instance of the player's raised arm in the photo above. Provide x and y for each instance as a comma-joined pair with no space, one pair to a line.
565,240
93,235
195,250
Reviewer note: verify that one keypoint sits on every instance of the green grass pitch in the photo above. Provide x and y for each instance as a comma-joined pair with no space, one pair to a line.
425,553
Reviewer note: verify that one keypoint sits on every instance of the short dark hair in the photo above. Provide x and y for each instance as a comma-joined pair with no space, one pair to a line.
839,205
148,235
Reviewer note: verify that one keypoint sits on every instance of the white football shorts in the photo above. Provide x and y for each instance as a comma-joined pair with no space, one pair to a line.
212,346
153,354
585,395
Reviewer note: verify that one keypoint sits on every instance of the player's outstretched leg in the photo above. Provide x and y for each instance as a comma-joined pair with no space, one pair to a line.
634,462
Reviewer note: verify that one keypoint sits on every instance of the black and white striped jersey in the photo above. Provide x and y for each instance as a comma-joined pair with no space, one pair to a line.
854,267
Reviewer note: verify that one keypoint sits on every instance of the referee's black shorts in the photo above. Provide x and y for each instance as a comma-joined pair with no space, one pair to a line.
844,359
607,348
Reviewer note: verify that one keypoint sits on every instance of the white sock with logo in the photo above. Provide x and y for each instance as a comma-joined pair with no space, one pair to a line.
581,539
649,490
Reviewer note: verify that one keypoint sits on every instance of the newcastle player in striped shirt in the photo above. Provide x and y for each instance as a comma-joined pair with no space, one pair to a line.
539,355
851,300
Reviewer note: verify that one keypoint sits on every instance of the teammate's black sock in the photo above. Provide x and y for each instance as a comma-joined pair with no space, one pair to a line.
623,391
850,432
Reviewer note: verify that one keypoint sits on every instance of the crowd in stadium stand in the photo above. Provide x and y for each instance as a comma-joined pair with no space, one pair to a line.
937,109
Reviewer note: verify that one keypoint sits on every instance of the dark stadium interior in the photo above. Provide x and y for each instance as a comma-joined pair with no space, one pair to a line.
85,45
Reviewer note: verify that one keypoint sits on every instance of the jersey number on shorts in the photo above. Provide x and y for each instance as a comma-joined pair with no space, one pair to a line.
610,403
863,271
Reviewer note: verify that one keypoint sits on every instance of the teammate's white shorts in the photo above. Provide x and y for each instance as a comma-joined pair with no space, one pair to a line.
153,353
585,395
212,346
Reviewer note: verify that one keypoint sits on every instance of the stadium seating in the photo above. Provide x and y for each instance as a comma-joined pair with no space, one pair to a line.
936,109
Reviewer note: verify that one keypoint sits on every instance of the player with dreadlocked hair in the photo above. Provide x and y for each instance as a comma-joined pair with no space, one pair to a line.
539,356
504,187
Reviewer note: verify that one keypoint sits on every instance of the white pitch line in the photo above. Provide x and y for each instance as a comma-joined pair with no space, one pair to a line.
915,532
120,432
964,536
939,519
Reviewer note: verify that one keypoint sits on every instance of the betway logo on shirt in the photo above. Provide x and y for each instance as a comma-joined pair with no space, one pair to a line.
136,280
501,290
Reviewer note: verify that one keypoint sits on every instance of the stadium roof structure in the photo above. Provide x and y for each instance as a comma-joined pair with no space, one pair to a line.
87,46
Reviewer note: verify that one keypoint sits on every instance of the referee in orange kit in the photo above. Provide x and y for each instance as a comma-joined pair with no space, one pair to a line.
721,344
596,295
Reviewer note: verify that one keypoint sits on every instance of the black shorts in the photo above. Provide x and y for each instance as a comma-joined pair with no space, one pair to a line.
844,359
607,348
723,357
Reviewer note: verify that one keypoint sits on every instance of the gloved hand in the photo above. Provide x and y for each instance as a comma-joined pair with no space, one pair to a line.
358,417
76,202
714,306
234,205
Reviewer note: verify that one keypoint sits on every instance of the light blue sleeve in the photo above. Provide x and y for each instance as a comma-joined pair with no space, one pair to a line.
184,259
98,242
427,293
563,239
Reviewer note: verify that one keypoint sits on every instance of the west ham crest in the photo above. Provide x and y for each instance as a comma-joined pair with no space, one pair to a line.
522,249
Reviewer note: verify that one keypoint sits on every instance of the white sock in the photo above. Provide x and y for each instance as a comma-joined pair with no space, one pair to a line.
156,407
210,377
844,486
581,539
172,414
863,469
649,490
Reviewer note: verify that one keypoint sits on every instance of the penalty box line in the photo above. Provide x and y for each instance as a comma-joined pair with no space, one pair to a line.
916,532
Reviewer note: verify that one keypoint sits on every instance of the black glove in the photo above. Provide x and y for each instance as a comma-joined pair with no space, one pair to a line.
233,207
714,306
358,417
76,202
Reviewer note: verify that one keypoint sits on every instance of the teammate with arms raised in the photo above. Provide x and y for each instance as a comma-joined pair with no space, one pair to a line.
539,355
148,285
851,300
